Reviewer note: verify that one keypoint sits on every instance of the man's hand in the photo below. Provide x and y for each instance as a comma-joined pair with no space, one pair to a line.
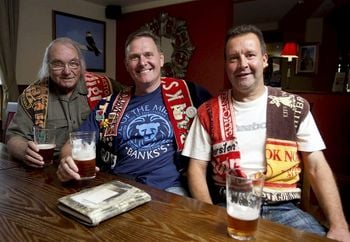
31,156
340,235
68,170
25,151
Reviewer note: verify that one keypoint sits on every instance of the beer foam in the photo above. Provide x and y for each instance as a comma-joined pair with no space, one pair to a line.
242,212
83,151
46,146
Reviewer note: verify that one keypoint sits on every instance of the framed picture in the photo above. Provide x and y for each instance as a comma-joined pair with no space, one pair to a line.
90,34
307,58
273,73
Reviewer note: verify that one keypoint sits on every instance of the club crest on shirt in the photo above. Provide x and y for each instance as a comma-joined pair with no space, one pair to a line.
147,130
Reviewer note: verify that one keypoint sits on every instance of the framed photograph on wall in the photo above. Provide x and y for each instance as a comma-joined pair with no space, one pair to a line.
90,34
307,58
273,73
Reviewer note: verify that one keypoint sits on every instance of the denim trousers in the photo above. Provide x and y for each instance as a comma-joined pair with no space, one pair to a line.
178,190
288,213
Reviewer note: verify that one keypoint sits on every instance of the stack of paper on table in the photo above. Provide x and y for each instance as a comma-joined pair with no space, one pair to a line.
93,205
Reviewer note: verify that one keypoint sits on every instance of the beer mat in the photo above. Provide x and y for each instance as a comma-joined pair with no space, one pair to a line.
96,204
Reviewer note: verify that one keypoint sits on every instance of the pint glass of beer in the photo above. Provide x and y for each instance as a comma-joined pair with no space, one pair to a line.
243,197
84,153
45,138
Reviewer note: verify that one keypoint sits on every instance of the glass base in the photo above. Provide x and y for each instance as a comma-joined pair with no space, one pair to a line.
239,237
87,178
48,163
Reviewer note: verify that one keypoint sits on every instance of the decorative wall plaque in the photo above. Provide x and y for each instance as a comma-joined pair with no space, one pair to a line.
173,30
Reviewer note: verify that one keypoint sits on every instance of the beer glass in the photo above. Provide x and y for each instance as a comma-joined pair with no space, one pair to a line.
243,198
46,140
84,153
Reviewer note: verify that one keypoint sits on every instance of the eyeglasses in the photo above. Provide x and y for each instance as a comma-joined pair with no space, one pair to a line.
60,66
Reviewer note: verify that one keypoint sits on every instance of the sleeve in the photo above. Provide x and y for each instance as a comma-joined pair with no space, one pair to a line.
198,143
308,136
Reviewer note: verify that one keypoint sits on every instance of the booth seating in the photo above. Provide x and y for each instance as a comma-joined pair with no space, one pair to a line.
9,113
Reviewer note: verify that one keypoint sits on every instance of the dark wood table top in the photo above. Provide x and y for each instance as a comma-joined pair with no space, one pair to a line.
29,212
6,161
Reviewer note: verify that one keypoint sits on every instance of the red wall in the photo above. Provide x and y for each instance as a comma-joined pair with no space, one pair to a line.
207,25
332,115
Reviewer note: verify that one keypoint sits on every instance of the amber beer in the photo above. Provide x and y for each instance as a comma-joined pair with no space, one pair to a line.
243,197
45,139
242,222
84,153
46,151
85,159
86,168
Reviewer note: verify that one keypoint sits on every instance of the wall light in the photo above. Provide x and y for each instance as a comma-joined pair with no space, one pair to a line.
290,51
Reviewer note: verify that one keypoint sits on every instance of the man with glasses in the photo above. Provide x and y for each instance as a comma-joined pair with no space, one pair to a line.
62,98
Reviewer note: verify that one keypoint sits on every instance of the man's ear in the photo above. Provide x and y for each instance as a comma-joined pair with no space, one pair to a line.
161,59
265,60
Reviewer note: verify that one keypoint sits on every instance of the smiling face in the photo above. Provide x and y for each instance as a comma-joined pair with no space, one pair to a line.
245,65
66,79
143,61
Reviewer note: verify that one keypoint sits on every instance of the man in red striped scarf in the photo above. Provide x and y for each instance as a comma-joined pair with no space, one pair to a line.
254,128
141,130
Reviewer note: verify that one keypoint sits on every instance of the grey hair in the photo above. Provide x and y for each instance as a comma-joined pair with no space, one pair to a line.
44,70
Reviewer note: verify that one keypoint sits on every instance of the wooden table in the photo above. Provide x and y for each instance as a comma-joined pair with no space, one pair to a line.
28,212
6,162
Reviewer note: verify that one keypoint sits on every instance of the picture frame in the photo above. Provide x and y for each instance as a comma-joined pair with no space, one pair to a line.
307,61
90,34
273,73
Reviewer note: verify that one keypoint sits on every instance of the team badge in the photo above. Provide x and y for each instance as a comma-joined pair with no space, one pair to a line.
191,112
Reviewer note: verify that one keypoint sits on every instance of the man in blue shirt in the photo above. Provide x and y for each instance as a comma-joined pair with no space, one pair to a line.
143,128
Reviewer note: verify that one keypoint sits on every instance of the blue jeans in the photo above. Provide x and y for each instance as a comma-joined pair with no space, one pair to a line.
178,190
289,214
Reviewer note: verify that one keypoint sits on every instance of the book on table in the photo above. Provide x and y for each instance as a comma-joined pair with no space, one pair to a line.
96,204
